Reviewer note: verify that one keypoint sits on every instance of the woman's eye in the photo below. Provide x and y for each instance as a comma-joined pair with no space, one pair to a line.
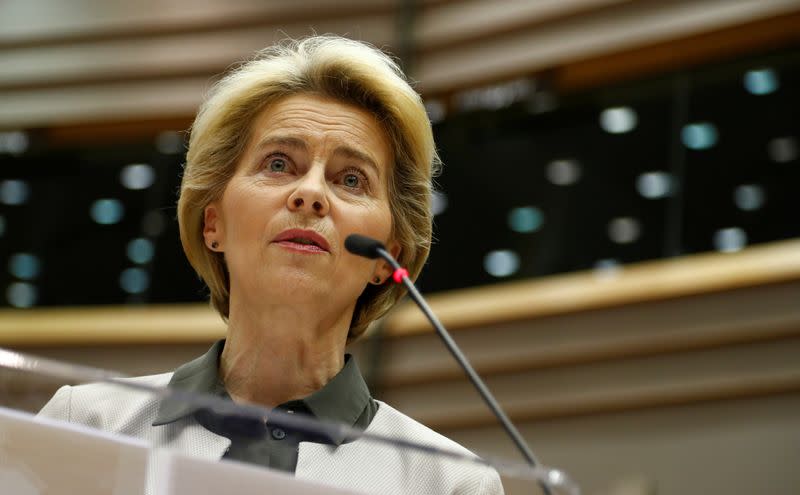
277,165
351,180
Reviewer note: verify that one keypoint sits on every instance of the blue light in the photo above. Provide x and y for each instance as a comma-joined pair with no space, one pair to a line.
730,240
107,211
563,172
134,280
140,250
699,135
525,219
438,202
654,185
501,263
137,176
607,268
14,142
24,266
14,192
624,230
749,197
618,120
761,82
21,294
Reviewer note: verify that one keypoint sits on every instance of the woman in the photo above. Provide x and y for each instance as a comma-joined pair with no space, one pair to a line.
292,152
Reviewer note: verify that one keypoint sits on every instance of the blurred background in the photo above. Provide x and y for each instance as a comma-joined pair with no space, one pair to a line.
615,225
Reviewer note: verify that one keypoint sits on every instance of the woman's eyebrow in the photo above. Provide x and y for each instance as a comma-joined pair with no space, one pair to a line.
354,154
287,141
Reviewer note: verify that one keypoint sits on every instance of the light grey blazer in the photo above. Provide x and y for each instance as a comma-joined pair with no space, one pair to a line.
359,465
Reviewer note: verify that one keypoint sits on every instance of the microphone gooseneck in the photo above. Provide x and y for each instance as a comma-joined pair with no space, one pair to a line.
370,248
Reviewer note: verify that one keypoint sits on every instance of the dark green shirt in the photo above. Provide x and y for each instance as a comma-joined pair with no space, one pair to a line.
345,399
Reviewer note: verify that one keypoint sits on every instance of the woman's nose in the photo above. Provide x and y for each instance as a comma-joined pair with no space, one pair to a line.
310,195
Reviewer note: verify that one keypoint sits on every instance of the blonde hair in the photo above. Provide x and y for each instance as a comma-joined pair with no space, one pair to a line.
346,70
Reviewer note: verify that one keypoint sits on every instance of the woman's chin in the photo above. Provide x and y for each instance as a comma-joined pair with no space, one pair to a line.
290,286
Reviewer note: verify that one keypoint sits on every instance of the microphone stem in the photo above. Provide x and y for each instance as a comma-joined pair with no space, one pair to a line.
484,391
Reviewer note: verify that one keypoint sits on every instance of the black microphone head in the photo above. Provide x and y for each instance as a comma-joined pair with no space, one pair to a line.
362,245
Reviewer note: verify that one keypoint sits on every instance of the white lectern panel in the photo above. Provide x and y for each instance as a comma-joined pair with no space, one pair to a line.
39,456
177,474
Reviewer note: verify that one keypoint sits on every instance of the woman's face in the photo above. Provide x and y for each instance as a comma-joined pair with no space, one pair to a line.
314,171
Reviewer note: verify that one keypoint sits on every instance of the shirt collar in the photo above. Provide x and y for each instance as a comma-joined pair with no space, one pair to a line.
200,376
343,399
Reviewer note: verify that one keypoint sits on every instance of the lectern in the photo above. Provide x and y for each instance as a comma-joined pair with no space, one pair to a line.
39,456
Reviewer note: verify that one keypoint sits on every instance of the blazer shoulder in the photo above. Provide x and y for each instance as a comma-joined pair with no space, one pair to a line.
447,475
393,423
107,406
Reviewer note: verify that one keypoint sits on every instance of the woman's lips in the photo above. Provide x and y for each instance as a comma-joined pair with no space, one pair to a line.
306,241
305,248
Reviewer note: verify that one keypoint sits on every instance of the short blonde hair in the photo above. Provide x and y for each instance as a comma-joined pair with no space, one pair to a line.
346,70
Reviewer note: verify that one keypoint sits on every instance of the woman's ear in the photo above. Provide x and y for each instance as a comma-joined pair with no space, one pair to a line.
213,227
394,249
382,269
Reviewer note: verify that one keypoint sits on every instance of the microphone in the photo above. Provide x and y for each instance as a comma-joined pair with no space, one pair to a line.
361,245
370,248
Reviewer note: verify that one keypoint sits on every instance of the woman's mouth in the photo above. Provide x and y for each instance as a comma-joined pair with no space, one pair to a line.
306,241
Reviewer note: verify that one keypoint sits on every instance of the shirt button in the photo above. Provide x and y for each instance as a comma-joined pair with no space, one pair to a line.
278,434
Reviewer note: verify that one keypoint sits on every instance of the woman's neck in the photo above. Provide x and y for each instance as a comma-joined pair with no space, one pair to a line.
277,353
